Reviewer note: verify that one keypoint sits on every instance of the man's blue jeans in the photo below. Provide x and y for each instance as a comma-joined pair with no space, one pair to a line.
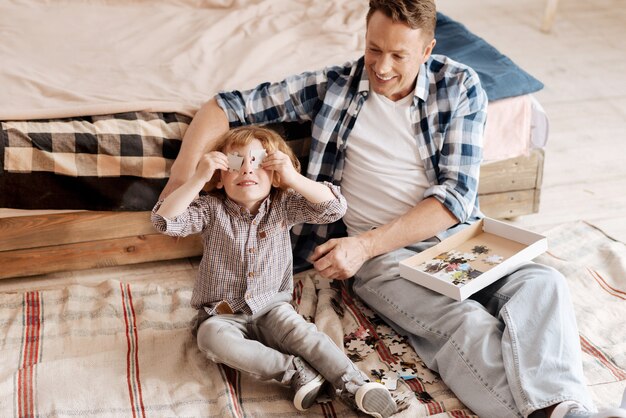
511,349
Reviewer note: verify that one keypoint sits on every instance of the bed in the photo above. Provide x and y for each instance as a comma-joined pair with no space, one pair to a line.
96,97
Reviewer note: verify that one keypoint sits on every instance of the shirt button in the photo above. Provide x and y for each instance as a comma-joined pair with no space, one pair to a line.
251,250
250,274
262,234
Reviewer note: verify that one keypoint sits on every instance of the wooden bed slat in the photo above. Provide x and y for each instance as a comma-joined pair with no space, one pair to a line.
520,173
67,228
510,204
92,254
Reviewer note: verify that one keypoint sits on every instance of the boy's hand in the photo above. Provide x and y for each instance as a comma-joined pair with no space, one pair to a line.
211,162
281,163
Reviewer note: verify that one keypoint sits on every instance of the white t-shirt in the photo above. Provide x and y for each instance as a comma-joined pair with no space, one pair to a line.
383,174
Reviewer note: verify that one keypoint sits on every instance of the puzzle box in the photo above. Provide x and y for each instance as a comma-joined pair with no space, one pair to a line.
472,259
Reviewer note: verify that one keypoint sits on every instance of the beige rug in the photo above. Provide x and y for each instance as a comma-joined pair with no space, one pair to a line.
125,350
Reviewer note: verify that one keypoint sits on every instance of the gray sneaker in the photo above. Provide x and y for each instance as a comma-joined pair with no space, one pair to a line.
306,383
374,399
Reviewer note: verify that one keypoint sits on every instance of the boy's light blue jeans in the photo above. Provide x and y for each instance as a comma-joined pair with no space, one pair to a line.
511,349
263,345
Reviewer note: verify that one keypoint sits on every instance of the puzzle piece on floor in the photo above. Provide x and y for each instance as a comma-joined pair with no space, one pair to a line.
426,375
378,374
360,347
397,348
361,333
424,397
385,330
400,396
404,372
356,346
390,339
389,382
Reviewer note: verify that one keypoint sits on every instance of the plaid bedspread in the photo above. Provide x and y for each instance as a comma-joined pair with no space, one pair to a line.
109,162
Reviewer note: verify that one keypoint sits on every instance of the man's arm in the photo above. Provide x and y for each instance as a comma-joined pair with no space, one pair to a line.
209,123
341,258
293,99
446,203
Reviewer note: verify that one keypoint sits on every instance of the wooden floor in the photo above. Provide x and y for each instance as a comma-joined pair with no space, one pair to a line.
582,63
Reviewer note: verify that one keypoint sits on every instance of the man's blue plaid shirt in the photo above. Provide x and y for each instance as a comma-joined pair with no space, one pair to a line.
448,114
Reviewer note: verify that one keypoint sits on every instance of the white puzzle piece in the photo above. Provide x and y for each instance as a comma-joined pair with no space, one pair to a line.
256,157
234,161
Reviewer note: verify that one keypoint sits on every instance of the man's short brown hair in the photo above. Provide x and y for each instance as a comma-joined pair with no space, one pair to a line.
417,14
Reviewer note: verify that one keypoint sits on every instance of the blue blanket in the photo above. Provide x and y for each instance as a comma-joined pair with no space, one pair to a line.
499,76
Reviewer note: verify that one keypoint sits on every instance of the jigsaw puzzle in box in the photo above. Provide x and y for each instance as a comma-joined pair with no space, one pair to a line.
473,258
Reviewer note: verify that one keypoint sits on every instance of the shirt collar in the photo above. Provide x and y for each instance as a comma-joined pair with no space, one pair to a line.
236,209
423,81
421,86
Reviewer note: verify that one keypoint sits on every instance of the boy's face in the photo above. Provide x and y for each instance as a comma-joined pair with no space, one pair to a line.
247,186
393,55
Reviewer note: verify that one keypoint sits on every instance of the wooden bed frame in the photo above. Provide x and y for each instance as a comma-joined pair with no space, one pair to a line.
38,244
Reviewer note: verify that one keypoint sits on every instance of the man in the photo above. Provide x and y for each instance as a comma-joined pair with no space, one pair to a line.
401,130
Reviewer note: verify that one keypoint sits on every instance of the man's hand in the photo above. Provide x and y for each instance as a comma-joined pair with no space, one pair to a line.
340,258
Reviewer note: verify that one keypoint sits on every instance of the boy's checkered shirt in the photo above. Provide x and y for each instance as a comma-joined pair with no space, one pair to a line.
448,114
247,258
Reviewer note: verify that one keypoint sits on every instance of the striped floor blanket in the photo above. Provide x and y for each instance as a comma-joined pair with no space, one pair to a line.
125,349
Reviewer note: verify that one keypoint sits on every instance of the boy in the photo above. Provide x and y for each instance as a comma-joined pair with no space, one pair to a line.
245,282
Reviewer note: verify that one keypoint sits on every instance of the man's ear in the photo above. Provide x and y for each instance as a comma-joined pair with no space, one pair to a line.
429,49
219,183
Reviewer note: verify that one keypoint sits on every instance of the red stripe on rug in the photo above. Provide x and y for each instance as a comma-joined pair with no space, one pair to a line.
608,288
132,356
591,349
415,385
297,292
32,319
328,409
136,340
435,407
361,319
232,379
128,351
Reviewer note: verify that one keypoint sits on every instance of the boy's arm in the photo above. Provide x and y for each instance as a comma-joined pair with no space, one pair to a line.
311,190
282,166
180,199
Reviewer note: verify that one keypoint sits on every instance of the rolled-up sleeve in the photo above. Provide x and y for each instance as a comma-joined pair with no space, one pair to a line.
461,153
192,221
297,98
300,210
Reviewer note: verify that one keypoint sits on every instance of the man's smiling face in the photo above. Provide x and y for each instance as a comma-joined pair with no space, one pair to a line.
393,55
